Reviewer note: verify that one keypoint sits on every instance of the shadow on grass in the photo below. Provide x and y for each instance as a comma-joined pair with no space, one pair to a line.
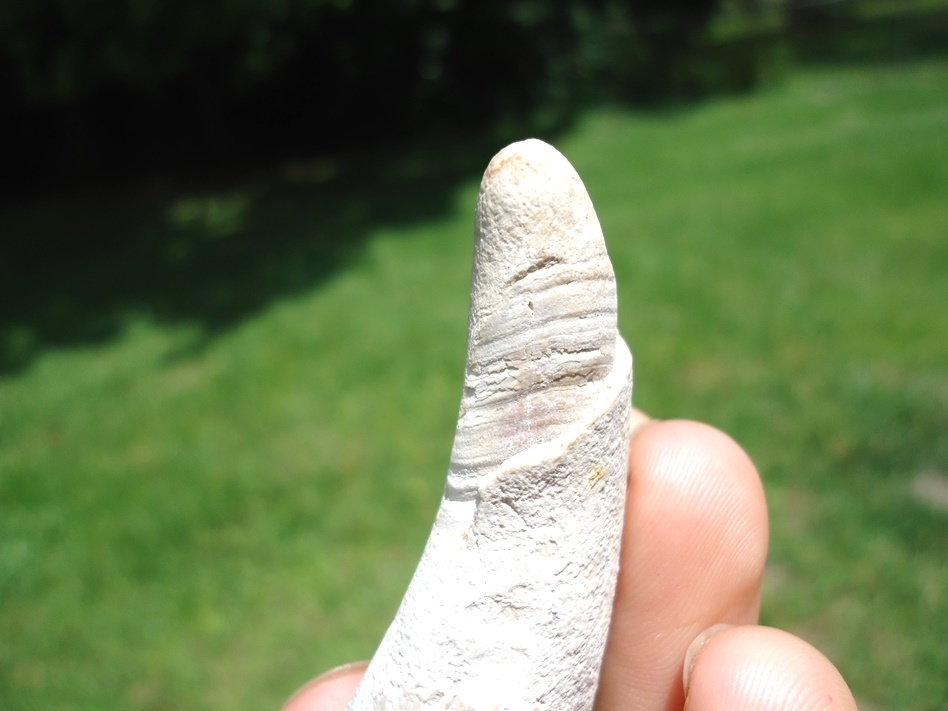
74,270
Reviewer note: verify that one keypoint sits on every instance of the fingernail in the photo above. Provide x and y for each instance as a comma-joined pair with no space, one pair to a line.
326,676
639,420
695,648
341,670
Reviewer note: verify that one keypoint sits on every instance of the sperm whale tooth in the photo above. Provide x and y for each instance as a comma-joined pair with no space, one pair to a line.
510,604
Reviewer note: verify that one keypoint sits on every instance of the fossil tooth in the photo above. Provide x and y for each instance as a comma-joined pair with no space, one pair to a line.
510,605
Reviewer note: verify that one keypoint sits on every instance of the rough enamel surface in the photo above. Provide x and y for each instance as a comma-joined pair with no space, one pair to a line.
510,604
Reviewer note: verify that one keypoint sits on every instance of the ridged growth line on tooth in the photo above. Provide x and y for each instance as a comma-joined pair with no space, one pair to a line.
542,324
510,604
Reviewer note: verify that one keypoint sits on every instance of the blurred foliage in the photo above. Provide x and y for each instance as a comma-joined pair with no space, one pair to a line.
114,87
60,51
145,80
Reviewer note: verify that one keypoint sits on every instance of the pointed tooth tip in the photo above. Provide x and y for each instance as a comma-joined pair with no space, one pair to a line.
533,211
542,282
531,152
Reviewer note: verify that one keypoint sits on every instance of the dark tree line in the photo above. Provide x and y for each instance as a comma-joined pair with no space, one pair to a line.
114,84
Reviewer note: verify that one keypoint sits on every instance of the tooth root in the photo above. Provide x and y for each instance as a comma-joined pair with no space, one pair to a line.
510,605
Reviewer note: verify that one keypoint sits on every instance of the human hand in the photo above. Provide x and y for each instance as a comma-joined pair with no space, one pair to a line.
684,633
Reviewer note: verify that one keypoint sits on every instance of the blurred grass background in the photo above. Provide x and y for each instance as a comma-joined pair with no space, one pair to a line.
226,406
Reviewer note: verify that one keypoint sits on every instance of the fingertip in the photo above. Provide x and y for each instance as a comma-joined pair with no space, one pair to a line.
330,691
695,443
764,669
693,473
694,547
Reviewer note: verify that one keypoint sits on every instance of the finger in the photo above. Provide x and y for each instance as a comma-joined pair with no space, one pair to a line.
330,691
763,669
693,553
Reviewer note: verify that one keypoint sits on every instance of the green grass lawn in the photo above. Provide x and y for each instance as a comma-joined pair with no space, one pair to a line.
223,435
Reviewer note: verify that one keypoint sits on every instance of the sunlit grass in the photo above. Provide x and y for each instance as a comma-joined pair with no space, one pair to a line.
196,519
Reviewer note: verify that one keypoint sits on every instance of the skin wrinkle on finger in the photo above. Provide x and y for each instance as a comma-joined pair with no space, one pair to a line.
693,555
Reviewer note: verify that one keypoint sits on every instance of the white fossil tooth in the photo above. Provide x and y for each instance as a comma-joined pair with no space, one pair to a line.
510,604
